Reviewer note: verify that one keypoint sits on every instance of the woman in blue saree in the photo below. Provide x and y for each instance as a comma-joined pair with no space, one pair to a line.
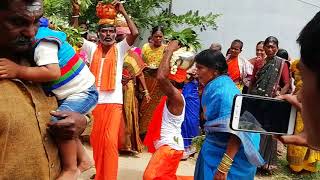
225,154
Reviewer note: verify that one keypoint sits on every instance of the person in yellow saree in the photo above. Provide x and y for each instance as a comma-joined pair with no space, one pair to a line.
301,157
129,140
152,54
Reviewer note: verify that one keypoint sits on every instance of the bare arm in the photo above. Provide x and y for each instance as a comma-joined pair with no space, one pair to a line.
133,28
143,81
232,149
46,73
174,101
144,86
233,146
11,70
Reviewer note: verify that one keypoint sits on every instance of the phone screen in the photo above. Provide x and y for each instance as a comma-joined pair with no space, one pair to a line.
264,115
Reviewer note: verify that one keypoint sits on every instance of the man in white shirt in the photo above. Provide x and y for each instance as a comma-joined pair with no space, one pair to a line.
106,60
169,145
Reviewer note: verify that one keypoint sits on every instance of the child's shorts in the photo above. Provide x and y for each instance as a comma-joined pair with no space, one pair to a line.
82,102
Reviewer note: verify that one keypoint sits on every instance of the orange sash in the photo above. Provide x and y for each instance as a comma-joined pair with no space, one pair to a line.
105,80
233,69
180,76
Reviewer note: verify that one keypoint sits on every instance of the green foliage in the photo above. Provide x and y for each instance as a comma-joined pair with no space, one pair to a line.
62,8
187,38
284,172
89,16
59,11
73,34
145,13
197,142
107,1
149,13
191,18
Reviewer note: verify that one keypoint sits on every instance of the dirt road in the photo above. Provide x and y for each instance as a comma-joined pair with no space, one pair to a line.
132,168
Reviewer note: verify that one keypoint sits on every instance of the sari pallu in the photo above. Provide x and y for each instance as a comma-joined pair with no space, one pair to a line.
152,57
217,101
265,83
147,109
266,80
134,65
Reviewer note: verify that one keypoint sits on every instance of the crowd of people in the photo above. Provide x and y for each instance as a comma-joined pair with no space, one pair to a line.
137,99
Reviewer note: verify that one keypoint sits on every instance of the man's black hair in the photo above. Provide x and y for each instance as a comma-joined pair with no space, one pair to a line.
239,42
283,54
271,39
105,26
308,40
213,60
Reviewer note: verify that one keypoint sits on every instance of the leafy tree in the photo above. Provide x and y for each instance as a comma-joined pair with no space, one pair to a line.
145,13
64,8
149,13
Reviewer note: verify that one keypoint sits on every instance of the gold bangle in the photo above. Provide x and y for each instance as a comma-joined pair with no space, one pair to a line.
222,170
227,165
228,157
224,167
226,161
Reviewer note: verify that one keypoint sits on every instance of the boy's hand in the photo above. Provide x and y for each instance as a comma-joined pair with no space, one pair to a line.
8,69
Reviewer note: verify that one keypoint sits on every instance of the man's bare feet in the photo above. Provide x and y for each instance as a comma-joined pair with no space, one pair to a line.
69,175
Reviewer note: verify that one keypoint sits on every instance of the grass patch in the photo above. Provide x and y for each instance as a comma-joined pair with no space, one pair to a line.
284,173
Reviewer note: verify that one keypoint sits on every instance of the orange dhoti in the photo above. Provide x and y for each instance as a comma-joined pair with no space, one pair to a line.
104,140
163,165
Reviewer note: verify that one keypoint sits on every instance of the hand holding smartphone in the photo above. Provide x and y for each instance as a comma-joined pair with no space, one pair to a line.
262,115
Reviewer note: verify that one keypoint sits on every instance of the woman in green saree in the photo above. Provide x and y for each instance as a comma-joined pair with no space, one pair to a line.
271,80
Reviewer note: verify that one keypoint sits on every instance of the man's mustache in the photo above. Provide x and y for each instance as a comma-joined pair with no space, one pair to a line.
22,40
108,37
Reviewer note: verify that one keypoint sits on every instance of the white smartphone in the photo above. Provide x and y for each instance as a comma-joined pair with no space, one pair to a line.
262,115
